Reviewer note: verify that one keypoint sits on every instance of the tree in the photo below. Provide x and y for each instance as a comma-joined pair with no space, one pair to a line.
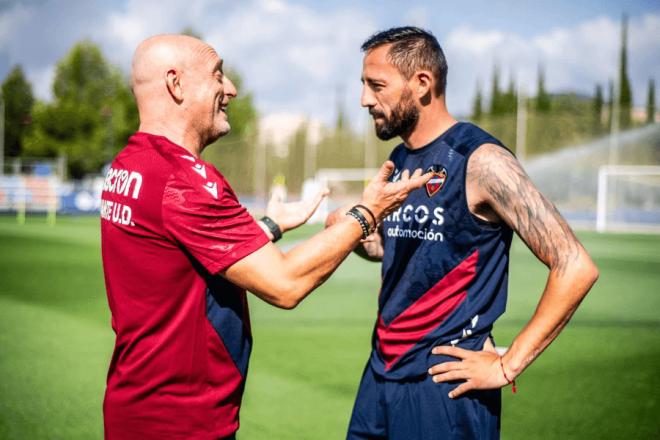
510,97
92,115
610,106
598,108
477,110
496,94
650,103
542,97
625,93
241,111
18,101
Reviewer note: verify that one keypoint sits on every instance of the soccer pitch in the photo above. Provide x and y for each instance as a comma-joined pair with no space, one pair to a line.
598,380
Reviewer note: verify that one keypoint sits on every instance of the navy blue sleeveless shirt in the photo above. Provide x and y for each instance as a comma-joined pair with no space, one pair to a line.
444,271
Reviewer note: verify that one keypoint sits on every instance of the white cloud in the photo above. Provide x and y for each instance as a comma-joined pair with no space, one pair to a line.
295,57
574,58
122,30
417,16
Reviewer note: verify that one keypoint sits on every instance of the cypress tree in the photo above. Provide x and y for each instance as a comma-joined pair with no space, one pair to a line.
625,94
598,108
496,94
18,101
650,103
610,105
542,97
510,98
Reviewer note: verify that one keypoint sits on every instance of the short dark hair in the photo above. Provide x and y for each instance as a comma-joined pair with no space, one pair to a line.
412,49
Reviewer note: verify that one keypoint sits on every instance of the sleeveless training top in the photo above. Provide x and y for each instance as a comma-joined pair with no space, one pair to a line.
444,271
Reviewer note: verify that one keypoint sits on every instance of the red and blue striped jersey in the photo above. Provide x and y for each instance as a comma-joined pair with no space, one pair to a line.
444,273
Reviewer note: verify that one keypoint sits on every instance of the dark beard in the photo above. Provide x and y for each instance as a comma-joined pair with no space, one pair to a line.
403,120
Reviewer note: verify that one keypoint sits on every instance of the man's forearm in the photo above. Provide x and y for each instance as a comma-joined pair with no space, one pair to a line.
291,276
314,260
561,297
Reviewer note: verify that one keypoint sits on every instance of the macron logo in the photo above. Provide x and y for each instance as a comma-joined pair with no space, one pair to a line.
212,188
200,169
186,157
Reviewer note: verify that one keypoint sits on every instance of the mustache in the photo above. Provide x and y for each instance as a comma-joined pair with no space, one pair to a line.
376,113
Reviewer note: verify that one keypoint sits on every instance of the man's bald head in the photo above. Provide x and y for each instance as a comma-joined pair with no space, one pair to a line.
158,54
179,86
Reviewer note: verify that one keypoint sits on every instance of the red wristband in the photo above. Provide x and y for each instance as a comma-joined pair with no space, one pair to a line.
510,382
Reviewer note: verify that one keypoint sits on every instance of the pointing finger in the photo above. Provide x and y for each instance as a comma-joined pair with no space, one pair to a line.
418,182
313,204
385,171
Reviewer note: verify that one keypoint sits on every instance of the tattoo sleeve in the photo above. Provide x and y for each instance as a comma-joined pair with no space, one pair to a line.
507,189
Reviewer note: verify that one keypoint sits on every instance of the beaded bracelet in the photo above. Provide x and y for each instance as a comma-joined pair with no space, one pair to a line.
362,220
371,214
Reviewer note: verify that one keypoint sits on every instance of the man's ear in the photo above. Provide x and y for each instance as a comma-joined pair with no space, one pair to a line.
173,82
423,87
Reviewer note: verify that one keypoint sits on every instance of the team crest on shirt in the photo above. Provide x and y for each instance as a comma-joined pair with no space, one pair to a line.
437,181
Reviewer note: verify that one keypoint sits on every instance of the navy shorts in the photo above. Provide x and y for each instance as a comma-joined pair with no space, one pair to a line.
420,409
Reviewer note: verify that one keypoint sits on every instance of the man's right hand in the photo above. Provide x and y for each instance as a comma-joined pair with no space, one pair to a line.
383,197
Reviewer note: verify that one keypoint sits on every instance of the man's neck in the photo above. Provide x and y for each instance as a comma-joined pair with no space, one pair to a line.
178,135
431,124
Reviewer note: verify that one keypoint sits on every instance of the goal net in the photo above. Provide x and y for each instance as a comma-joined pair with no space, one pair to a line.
345,185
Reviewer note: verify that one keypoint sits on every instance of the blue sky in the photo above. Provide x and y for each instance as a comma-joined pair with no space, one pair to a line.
295,55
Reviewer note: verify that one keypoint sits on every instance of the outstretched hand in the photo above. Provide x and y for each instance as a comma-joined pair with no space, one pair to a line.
293,214
383,197
481,370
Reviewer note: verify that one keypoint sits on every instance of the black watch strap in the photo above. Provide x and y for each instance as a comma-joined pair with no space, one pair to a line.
272,227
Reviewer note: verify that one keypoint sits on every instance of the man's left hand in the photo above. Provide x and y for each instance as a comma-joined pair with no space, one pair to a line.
480,370
293,214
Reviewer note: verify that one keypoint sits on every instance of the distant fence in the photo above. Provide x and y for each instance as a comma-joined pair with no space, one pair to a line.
580,180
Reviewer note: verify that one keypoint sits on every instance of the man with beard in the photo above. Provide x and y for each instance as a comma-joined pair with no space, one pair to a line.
179,251
433,372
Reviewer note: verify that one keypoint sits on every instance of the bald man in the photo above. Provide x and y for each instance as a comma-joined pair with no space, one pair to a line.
179,252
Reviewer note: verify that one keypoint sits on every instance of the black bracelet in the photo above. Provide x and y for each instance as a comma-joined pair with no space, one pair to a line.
272,227
373,217
362,220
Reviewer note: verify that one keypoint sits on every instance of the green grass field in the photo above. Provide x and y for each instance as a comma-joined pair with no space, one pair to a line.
600,379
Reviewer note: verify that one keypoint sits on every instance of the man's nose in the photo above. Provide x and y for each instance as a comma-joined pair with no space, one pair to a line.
367,98
230,89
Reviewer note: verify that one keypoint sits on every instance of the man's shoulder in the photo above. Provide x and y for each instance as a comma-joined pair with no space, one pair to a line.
197,175
467,137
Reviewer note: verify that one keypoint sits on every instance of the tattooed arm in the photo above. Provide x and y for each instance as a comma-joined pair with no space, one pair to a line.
498,189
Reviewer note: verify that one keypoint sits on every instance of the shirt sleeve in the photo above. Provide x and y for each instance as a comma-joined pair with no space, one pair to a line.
207,219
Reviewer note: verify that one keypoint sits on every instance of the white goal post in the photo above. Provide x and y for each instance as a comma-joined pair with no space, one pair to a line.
645,194
326,177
